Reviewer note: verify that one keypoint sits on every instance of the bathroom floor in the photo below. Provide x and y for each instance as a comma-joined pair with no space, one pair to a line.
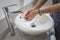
22,36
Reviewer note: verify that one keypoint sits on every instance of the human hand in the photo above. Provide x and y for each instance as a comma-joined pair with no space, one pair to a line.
31,14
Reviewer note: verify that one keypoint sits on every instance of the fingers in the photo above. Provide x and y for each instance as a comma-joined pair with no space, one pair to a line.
26,18
29,17
27,13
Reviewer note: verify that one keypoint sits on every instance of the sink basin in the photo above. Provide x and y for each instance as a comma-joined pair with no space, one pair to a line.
38,25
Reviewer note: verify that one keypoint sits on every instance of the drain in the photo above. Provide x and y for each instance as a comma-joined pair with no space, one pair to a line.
33,25
20,17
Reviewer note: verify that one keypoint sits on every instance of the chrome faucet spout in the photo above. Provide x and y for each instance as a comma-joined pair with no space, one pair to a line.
9,22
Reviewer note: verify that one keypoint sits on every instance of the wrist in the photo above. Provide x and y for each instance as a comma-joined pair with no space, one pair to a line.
40,11
35,8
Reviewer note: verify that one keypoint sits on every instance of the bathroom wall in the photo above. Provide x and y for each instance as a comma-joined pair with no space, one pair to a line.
4,3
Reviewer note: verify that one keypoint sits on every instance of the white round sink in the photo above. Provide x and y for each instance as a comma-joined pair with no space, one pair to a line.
38,25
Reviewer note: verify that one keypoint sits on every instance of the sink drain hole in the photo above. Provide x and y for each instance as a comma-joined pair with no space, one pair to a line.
33,25
20,17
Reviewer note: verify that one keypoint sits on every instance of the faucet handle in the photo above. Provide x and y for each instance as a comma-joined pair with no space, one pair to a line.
17,12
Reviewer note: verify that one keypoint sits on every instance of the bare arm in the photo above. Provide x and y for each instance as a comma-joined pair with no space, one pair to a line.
53,8
39,4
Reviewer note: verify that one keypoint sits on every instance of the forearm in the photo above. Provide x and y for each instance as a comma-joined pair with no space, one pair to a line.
39,4
53,8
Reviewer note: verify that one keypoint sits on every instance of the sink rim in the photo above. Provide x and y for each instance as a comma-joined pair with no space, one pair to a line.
34,32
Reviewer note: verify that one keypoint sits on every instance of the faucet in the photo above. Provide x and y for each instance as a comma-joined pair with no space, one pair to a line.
8,19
